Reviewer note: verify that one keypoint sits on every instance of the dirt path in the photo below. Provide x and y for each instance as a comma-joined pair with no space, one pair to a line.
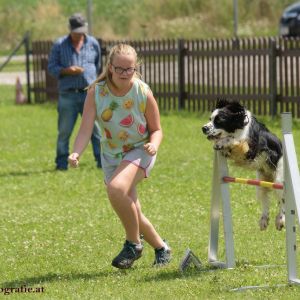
10,77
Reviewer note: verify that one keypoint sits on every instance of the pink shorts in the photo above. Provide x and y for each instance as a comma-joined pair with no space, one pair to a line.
137,156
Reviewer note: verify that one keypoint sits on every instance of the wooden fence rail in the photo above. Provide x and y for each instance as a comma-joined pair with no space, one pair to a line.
263,73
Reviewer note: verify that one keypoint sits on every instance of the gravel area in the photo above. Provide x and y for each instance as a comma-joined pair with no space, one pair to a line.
10,77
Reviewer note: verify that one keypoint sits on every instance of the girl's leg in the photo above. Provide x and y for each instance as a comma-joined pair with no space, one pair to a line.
122,195
162,250
125,178
146,228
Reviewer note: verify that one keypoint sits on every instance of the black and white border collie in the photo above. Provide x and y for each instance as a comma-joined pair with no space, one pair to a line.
240,137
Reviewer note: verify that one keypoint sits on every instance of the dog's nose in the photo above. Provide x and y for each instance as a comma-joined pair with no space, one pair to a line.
205,129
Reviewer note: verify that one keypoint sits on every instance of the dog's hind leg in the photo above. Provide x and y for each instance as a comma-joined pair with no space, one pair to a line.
280,218
263,197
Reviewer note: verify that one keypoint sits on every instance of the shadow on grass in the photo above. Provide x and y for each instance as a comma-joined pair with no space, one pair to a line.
56,277
25,173
37,172
189,273
53,277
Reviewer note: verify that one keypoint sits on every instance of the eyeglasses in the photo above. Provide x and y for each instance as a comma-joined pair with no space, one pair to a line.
120,70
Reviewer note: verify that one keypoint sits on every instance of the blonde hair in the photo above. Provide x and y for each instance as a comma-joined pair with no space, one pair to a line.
119,49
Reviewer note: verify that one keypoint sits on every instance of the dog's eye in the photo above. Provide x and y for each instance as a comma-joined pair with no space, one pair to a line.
218,119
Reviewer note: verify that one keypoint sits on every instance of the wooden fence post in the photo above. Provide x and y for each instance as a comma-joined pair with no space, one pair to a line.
273,78
104,54
27,53
181,88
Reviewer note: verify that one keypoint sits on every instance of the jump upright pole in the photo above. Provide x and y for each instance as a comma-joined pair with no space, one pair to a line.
291,196
220,190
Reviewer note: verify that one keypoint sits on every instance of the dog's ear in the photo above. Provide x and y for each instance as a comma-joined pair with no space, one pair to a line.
239,113
236,108
222,102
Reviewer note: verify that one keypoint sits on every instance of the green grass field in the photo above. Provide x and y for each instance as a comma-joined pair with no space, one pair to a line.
59,233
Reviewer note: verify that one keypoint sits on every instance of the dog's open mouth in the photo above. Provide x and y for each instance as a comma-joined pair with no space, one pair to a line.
213,137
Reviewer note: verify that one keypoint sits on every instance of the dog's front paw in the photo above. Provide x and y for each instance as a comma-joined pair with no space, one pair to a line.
218,146
280,221
263,222
226,153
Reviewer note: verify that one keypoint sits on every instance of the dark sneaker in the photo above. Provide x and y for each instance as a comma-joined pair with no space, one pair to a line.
162,256
129,253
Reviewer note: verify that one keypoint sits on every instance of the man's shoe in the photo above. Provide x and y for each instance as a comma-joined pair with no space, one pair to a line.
60,168
162,256
129,253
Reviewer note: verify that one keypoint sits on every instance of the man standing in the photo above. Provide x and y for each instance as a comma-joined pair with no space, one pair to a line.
75,61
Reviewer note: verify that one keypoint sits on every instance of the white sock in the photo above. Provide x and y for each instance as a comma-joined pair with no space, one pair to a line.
166,246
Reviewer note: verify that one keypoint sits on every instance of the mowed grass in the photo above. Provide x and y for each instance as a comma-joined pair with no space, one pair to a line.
58,231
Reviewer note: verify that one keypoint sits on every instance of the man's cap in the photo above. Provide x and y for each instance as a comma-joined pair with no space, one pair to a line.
78,24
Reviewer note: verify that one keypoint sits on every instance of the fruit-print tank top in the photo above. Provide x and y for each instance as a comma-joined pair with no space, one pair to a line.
121,119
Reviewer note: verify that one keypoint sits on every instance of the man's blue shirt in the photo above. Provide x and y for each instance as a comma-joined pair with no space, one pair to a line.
64,55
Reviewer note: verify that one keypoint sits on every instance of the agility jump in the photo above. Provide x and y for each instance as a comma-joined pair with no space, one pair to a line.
291,193
267,184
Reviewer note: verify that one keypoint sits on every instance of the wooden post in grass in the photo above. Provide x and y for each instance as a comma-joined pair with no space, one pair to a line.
181,83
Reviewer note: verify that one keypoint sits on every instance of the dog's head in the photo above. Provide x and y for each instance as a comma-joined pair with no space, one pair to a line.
226,118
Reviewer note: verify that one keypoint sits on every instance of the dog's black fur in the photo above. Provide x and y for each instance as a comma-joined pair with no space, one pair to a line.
240,137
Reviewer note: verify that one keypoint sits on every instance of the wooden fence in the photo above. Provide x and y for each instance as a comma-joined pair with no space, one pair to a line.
263,73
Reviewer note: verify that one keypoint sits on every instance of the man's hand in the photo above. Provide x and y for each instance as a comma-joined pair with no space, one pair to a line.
72,70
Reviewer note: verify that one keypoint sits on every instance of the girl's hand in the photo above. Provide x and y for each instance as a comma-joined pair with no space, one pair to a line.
73,160
150,149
